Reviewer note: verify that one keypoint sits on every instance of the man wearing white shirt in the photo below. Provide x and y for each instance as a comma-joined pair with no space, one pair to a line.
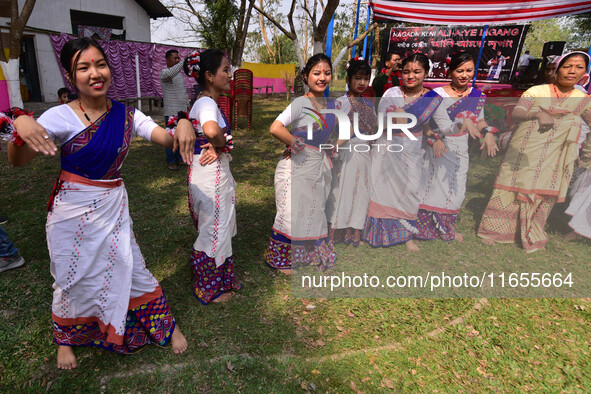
175,97
524,64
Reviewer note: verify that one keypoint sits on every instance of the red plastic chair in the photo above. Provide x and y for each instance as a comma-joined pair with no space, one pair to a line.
225,104
242,96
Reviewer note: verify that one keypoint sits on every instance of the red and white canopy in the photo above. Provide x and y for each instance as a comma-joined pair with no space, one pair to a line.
462,12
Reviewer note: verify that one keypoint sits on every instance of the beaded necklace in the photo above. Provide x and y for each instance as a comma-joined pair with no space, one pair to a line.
367,118
561,99
405,95
86,115
459,93
316,106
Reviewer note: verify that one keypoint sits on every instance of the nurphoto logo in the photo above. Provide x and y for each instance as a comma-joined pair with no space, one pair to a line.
393,122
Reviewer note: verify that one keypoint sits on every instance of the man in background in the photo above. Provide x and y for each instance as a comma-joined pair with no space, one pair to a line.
175,97
9,256
496,65
524,64
390,74
63,95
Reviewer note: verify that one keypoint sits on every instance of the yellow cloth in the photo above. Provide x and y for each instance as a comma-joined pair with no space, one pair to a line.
260,70
6,53
540,165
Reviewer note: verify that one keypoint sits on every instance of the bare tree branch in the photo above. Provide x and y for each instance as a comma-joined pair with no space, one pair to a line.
352,43
178,8
290,19
290,35
305,8
193,10
264,34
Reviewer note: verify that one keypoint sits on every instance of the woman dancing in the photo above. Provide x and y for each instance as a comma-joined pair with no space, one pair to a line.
539,162
580,205
303,176
445,169
104,295
395,174
211,185
349,197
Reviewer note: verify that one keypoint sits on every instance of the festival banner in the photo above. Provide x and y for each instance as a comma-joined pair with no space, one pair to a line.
502,47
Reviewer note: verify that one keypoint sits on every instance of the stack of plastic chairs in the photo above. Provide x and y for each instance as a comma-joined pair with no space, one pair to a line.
242,96
225,104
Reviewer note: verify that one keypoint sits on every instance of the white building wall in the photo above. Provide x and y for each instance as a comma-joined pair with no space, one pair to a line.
55,15
50,76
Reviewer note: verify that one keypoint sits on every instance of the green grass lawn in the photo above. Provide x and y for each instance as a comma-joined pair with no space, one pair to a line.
267,340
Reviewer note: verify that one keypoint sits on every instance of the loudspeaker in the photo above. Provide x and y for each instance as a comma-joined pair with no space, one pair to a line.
530,76
550,48
531,73
553,48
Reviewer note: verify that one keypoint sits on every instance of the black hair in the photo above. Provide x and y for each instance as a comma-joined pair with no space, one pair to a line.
313,61
573,55
69,58
358,66
459,58
526,52
61,91
209,60
420,58
170,52
389,55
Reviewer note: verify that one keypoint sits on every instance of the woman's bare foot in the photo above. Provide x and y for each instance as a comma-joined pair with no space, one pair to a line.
286,272
459,237
66,359
487,241
412,246
572,236
224,297
178,341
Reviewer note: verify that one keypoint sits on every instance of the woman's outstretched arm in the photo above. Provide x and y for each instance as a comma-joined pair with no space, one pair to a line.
36,140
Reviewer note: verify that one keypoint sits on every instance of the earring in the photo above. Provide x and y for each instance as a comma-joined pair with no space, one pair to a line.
210,80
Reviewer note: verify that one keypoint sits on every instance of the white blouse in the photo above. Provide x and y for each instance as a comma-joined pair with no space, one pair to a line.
62,124
205,110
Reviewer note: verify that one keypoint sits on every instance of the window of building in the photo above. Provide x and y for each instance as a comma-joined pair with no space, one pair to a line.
82,18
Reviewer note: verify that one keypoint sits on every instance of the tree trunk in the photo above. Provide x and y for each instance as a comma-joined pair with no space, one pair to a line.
318,47
10,69
244,20
17,26
11,74
305,43
320,31
264,34
377,49
298,51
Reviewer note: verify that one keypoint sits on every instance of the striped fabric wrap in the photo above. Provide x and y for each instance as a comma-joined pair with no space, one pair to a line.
462,12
